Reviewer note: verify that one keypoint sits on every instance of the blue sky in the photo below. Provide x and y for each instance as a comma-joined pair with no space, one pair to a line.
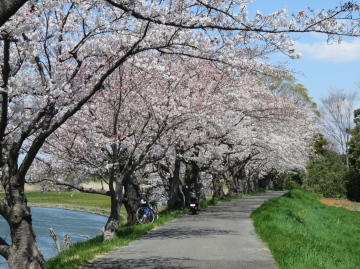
323,65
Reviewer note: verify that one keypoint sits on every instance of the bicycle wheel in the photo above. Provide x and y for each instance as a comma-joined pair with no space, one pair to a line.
141,215
150,216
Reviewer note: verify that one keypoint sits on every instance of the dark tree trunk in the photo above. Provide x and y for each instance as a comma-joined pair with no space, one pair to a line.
113,222
200,189
164,172
9,8
251,185
191,179
233,187
176,199
267,182
253,181
131,199
236,186
218,188
23,252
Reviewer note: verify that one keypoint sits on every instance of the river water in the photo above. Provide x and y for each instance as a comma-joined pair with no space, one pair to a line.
63,222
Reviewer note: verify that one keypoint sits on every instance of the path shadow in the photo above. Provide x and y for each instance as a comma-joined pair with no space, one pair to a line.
184,232
157,262
150,263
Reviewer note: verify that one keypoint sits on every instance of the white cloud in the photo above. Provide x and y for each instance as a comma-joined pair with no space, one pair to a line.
335,53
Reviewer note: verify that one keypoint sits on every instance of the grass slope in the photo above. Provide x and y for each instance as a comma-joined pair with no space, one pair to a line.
94,203
303,233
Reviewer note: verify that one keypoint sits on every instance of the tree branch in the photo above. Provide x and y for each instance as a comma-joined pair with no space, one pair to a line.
9,8
81,189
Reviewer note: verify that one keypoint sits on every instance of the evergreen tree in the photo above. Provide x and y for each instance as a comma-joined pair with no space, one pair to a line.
354,143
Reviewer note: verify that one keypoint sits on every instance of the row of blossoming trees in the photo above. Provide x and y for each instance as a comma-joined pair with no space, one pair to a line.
128,88
177,118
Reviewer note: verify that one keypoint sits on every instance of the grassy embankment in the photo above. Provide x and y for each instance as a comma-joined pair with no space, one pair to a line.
83,252
302,233
94,203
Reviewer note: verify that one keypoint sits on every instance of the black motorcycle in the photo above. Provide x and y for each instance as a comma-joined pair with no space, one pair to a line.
193,202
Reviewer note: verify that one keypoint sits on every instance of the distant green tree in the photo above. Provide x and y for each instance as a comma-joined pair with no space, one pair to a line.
354,142
295,179
292,180
353,177
320,144
326,175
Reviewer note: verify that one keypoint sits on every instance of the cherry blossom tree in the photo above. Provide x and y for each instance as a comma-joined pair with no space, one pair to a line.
251,126
54,62
56,55
126,126
228,16
280,134
258,125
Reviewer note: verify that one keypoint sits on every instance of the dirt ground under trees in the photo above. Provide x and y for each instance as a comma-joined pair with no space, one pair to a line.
353,206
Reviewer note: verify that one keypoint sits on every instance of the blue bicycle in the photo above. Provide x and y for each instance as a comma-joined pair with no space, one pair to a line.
147,213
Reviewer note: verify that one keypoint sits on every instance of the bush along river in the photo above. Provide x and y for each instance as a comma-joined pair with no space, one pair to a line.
63,222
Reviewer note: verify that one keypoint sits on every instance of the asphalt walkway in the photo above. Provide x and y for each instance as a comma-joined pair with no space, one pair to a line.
221,236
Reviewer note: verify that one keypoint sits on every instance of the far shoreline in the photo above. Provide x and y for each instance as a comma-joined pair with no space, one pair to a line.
81,205
68,207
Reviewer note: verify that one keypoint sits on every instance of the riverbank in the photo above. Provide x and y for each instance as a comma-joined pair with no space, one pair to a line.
92,203
88,209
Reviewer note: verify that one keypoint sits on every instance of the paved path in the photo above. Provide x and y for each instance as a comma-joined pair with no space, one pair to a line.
221,236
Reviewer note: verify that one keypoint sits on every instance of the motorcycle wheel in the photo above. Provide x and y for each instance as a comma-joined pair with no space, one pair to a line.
193,210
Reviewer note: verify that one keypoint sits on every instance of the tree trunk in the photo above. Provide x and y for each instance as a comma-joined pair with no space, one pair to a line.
192,174
176,199
131,199
23,252
165,175
218,188
254,181
113,222
200,189
8,8
236,186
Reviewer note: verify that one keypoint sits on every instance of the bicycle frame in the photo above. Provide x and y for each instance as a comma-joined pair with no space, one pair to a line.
147,212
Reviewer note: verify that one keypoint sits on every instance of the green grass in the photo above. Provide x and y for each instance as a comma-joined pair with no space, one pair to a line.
94,203
303,233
